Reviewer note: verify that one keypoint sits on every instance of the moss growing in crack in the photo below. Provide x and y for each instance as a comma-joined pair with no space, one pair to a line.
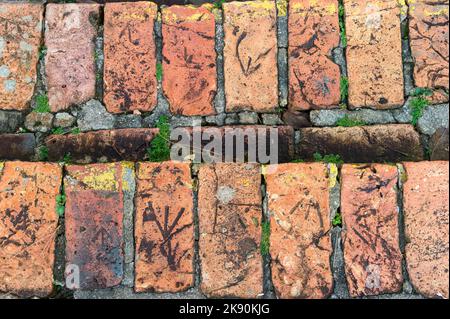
58,131
342,23
344,89
75,130
159,72
346,121
67,158
218,4
42,105
61,203
159,149
329,158
43,153
265,238
419,103
337,220
298,160
42,52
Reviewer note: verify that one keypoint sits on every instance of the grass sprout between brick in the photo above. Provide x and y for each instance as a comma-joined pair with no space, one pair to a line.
159,149
61,203
159,72
42,105
344,89
329,158
337,220
346,121
265,238
342,23
43,153
419,103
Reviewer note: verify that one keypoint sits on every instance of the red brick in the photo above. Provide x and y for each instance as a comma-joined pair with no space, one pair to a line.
189,59
28,224
314,79
428,33
94,222
373,261
300,243
101,146
17,146
20,39
130,57
374,54
164,227
69,63
426,206
230,230
250,56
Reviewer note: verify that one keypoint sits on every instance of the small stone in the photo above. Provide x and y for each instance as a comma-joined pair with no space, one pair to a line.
94,222
373,260
189,59
230,232
10,121
298,196
20,40
130,59
438,145
248,118
17,146
250,56
374,54
128,121
434,117
232,118
69,62
271,119
164,256
64,120
28,224
367,116
39,122
93,116
426,208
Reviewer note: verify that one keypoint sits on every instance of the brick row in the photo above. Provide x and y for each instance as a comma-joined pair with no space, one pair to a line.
232,232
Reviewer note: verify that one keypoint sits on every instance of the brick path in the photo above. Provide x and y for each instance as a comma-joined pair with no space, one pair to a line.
88,87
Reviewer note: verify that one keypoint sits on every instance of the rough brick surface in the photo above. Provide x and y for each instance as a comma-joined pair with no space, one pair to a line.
101,146
28,223
230,230
250,56
314,79
428,33
374,54
164,227
373,260
17,146
391,143
69,63
252,136
189,59
130,57
426,207
20,39
300,244
94,222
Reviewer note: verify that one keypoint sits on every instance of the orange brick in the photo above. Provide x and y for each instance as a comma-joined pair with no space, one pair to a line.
28,225
130,57
164,227
300,243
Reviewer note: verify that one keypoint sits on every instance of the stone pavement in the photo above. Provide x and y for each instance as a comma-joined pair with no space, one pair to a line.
355,91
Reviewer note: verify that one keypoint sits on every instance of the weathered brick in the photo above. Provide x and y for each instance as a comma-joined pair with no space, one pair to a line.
130,57
250,56
28,223
164,227
230,230
389,143
101,146
374,54
17,146
300,243
20,39
94,222
253,140
428,33
314,79
426,206
373,260
69,63
189,59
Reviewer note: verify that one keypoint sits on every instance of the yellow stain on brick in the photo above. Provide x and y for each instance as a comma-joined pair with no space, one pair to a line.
127,172
262,8
104,180
282,6
246,183
316,7
440,12
169,17
2,164
146,13
333,174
